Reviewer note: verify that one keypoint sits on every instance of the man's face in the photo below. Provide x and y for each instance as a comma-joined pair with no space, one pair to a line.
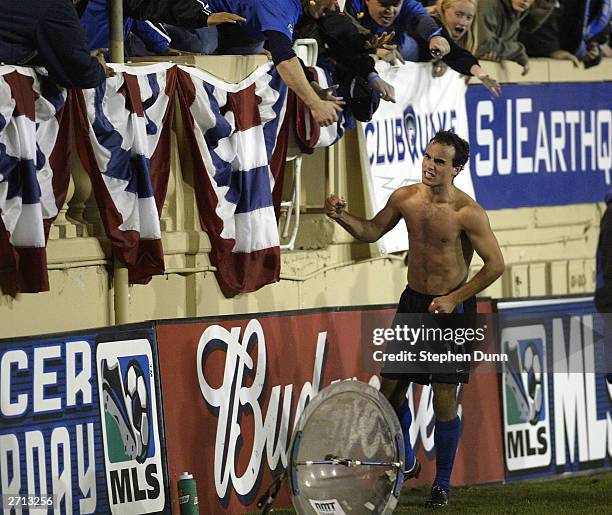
458,18
521,5
438,169
320,7
384,12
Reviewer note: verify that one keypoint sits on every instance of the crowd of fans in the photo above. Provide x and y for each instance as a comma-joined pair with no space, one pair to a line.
71,37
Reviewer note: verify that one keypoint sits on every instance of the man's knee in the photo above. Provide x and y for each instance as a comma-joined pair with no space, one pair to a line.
445,401
394,391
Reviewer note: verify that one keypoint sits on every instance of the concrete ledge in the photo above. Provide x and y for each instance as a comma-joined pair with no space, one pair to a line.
546,70
230,68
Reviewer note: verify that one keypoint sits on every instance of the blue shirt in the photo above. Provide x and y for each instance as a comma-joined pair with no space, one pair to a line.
262,15
406,20
96,25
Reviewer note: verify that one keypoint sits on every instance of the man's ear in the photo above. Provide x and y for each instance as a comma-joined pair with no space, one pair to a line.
458,169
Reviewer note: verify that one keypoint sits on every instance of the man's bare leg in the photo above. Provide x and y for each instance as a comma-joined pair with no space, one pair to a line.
445,401
395,391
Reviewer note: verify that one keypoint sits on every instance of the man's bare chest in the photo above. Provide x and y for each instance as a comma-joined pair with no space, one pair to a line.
433,224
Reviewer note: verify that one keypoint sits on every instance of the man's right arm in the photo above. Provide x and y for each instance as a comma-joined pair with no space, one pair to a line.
63,48
364,230
291,71
323,111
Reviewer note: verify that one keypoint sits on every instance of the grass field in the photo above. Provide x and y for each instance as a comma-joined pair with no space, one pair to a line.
583,494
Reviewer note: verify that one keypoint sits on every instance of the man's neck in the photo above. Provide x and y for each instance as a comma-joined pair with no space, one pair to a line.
442,194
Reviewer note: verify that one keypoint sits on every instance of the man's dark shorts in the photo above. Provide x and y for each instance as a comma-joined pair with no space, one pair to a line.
412,301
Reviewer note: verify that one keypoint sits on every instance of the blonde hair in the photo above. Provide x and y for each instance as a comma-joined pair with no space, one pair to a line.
469,40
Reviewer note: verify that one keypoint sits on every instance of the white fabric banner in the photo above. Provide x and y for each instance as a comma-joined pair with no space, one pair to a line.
393,142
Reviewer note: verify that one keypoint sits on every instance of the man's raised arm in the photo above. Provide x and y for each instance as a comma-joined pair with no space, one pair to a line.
364,230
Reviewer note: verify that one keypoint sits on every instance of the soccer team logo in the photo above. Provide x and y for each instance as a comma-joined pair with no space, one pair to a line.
525,395
128,410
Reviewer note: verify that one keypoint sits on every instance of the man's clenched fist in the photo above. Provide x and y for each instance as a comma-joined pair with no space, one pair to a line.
334,206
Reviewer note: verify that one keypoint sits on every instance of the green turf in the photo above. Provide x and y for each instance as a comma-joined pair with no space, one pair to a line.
590,494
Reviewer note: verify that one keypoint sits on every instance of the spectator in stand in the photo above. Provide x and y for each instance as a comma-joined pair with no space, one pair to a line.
195,41
499,23
145,38
163,39
95,22
456,18
344,48
605,41
561,37
408,19
433,41
47,33
272,22
596,15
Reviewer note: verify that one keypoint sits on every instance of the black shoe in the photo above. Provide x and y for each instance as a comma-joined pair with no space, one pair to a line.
438,498
414,472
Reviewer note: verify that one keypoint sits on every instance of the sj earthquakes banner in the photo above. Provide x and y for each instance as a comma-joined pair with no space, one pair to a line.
541,144
234,389
394,141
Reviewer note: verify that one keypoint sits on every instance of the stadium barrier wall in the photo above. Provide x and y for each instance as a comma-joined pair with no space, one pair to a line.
224,394
234,388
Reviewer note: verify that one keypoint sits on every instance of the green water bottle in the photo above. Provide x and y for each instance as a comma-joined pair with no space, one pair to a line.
188,495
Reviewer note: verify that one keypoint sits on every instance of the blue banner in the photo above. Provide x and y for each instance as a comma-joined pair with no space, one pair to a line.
80,420
557,404
540,144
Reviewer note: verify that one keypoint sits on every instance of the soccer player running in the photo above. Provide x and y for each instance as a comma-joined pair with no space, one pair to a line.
445,226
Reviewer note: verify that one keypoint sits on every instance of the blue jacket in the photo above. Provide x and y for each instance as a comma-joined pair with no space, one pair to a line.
95,22
47,33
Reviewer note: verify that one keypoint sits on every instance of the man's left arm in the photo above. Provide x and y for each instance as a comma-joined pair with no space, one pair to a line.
189,14
478,230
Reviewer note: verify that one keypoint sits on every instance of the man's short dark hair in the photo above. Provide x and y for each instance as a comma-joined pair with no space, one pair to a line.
386,3
462,147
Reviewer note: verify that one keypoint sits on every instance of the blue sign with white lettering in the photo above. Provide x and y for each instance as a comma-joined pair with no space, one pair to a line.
541,144
79,423
557,402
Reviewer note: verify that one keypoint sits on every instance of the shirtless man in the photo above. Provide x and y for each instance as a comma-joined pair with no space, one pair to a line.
445,227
